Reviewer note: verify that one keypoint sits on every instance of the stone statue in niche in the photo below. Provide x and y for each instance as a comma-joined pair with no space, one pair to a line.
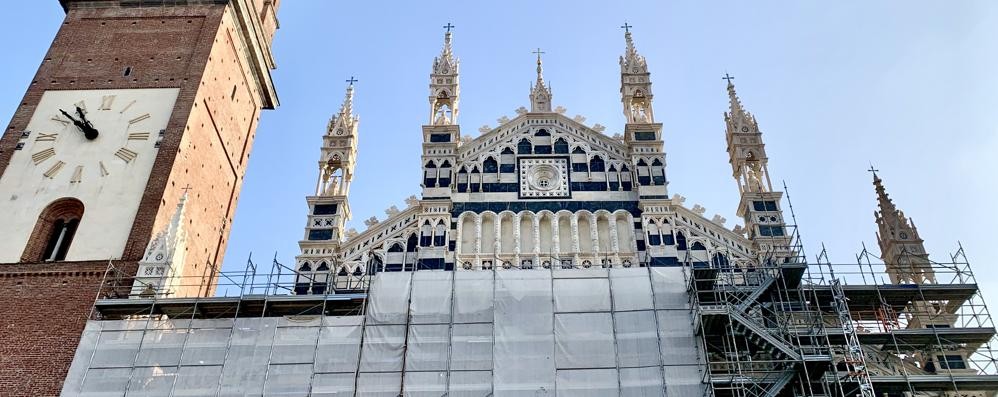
443,115
753,177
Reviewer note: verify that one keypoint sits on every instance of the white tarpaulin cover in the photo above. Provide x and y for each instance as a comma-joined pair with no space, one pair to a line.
568,332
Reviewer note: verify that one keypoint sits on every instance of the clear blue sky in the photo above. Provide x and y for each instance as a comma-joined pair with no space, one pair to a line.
910,85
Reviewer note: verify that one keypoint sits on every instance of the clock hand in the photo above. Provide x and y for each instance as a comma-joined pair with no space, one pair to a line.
84,126
88,130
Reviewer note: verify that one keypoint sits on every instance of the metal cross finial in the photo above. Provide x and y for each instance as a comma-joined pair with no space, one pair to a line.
873,170
728,77
448,26
538,52
187,188
626,27
352,80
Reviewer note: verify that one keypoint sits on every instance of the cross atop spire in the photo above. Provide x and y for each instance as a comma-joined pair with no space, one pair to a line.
352,80
873,170
538,52
728,77
445,62
631,61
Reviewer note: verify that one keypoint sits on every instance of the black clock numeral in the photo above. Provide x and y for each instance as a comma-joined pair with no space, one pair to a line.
126,154
138,136
103,169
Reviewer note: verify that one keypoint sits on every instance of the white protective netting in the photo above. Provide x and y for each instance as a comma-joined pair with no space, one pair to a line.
581,332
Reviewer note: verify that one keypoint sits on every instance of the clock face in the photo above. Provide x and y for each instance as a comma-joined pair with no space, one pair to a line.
96,146
87,137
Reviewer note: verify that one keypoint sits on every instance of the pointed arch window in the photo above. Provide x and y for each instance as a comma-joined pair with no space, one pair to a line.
54,232
305,267
462,180
440,234
507,160
658,172
698,246
430,174
524,147
444,174
681,241
490,166
597,164
323,267
561,146
411,243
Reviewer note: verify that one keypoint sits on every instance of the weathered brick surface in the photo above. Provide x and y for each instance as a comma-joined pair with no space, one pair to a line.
196,47
43,313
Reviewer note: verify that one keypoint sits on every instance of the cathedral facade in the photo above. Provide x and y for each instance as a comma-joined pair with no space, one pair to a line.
538,191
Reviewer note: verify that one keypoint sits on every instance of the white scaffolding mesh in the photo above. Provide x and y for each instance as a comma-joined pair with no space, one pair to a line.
582,332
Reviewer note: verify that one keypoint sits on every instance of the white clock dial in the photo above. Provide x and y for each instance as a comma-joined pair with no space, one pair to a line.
96,146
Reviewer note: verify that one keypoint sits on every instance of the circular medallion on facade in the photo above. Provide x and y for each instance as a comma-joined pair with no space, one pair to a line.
744,129
339,131
903,235
544,177
159,257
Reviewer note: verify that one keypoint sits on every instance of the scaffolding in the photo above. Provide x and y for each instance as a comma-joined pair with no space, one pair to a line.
761,328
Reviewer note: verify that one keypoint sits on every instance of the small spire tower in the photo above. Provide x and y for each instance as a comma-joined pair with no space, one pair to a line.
642,135
445,88
540,93
760,204
328,208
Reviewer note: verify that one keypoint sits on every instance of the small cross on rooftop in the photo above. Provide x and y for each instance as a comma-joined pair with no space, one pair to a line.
626,27
728,77
352,80
448,26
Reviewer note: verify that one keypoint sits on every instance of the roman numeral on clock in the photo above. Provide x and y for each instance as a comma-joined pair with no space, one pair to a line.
60,121
106,101
43,155
126,154
77,175
138,119
43,137
126,107
54,169
138,136
103,169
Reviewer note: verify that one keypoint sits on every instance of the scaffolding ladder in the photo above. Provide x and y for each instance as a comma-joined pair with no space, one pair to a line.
854,360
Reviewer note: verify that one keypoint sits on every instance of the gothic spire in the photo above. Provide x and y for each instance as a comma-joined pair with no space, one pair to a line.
887,214
735,109
445,63
345,117
540,94
631,61
737,117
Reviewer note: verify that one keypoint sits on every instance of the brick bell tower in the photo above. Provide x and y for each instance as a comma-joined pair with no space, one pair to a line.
136,105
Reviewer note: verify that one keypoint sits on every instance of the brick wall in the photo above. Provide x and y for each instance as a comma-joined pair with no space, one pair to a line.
43,313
